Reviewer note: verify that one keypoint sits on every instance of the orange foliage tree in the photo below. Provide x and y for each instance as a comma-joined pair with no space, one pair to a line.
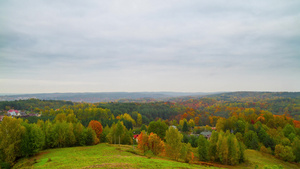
97,127
143,141
151,142
156,145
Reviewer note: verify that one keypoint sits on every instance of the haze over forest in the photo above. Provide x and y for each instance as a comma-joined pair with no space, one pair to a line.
137,46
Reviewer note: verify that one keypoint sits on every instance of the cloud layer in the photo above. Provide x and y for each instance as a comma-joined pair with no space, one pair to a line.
192,46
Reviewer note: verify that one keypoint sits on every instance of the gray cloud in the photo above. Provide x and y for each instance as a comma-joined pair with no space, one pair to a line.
149,46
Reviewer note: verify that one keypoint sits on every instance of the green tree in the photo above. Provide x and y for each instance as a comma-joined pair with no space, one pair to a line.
119,130
284,152
212,149
78,129
288,129
173,143
139,119
185,127
33,140
62,134
233,150
203,148
144,127
11,132
240,126
296,149
158,127
186,152
251,140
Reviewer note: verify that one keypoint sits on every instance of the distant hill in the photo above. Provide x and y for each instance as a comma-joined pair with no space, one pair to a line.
102,97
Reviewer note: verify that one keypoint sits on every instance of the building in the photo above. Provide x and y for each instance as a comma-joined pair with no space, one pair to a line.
1,118
136,137
206,134
13,112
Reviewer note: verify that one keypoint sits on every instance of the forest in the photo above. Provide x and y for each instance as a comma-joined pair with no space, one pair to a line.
266,122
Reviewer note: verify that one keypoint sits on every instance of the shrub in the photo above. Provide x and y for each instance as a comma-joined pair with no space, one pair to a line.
263,149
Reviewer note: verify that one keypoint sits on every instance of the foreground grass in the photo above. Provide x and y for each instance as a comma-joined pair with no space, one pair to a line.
114,156
99,156
256,158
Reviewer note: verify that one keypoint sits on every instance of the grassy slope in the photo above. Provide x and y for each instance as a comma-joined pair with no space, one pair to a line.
107,156
99,156
261,159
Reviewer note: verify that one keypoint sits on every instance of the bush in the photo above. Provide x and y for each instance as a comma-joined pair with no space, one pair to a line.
263,149
4,165
284,152
149,154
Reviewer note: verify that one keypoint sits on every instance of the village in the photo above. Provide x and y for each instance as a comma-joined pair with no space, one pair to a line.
18,113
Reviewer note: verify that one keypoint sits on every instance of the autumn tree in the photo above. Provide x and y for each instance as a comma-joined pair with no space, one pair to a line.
97,127
197,120
191,123
143,142
173,143
155,144
60,117
127,117
139,120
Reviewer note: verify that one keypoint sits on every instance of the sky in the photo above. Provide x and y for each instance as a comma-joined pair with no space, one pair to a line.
133,46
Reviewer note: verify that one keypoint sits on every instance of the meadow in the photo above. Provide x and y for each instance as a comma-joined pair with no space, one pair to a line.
124,156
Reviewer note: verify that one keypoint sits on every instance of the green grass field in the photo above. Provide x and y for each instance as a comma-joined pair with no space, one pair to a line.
254,158
113,156
99,156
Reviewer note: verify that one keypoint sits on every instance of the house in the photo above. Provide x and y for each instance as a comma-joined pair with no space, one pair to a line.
136,137
1,118
206,134
23,113
32,114
12,112
173,127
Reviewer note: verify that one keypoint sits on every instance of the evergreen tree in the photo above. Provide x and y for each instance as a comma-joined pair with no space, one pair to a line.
185,127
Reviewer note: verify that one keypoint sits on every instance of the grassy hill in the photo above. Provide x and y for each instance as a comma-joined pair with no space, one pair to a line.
99,156
109,156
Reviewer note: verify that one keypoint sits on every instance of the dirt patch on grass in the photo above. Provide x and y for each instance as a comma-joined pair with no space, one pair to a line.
38,156
110,165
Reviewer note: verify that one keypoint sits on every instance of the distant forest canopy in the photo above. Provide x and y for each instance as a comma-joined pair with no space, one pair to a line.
219,105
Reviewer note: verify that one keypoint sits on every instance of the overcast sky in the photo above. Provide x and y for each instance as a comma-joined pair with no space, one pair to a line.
184,46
